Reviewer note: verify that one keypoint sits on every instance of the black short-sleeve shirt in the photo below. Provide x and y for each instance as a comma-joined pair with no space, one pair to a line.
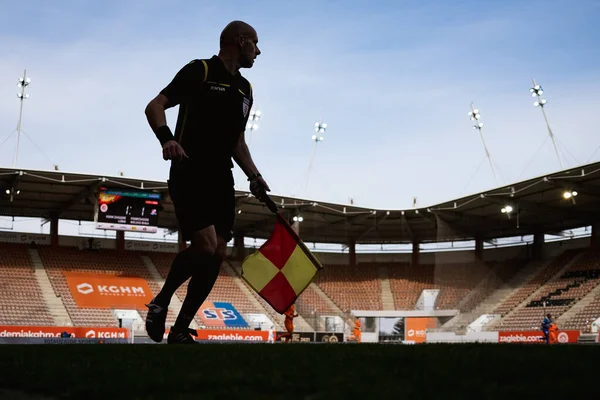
214,107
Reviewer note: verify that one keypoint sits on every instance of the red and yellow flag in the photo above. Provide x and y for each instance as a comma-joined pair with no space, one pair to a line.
282,268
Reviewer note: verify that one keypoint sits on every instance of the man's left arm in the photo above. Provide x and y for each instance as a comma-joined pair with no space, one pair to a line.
241,155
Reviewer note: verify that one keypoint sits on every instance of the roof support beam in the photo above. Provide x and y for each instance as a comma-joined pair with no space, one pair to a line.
450,218
428,215
374,227
356,218
406,224
461,223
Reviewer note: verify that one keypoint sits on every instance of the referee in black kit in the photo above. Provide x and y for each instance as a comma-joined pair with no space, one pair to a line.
214,104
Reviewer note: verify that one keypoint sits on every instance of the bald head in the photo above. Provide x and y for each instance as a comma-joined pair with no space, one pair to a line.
232,32
239,44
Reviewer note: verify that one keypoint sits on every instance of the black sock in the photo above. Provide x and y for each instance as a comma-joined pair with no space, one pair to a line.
202,282
181,270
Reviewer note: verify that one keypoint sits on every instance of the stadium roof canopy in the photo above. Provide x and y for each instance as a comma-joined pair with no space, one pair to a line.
538,206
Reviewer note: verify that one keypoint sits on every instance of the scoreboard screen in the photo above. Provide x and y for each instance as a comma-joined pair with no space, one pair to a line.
127,210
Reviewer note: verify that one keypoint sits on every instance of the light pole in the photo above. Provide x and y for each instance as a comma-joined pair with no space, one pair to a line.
23,83
317,137
253,122
474,115
537,91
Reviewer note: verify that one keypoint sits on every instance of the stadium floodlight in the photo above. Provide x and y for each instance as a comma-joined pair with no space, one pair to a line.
506,209
298,218
23,83
253,120
12,192
252,124
474,115
570,194
537,91
320,128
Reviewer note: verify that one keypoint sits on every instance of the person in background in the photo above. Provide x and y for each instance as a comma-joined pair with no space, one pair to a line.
546,327
357,333
271,338
552,333
290,314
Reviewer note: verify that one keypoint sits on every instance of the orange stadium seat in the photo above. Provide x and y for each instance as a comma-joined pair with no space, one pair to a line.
455,281
352,288
407,283
21,301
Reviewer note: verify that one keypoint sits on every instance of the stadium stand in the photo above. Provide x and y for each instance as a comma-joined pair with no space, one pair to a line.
312,306
454,282
236,270
496,274
34,289
559,294
226,289
538,281
461,285
71,259
352,288
586,316
21,301
162,262
407,283
562,283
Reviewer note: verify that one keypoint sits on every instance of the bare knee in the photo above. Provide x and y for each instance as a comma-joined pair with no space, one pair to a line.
204,242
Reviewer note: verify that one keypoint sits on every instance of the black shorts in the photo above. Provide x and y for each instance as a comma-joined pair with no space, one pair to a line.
202,198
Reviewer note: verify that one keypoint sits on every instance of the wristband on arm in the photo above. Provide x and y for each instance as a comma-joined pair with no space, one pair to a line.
254,176
164,134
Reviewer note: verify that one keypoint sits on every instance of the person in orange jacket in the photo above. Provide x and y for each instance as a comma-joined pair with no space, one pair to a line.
552,333
357,326
290,314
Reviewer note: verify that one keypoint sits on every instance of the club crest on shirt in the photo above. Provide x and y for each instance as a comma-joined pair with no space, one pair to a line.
246,106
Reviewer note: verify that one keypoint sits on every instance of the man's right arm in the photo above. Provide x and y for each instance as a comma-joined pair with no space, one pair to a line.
179,90
155,112
157,119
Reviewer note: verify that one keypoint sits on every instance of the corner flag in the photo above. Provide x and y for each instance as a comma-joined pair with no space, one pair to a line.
282,268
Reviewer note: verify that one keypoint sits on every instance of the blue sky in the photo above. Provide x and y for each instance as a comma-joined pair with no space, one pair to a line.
392,79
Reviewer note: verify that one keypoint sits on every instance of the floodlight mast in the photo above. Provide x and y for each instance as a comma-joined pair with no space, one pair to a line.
253,122
537,91
320,129
23,83
474,115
